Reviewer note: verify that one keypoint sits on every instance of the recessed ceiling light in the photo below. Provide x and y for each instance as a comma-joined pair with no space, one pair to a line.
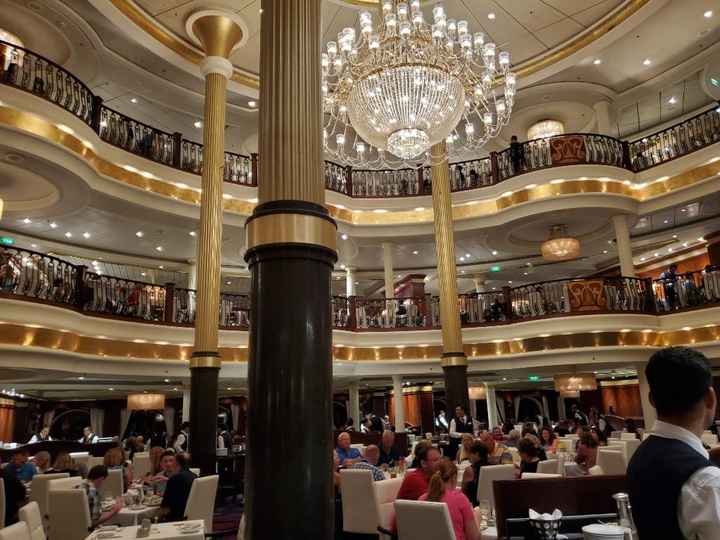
672,100
34,246
708,14
95,263
685,244
344,236
509,281
605,251
161,267
642,259
343,267
656,254
111,389
81,378
198,124
701,239
53,225
666,221
647,62
419,209
252,104
494,252
139,234
143,274
415,252
491,16
192,233
86,235
670,250
133,100
27,221
380,211
228,283
597,61
68,234
462,258
158,248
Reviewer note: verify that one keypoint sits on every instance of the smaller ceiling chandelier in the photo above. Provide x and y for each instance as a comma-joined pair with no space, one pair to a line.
398,88
575,382
560,246
545,129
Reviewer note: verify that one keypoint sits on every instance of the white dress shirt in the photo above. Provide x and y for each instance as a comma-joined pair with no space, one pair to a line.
453,429
699,503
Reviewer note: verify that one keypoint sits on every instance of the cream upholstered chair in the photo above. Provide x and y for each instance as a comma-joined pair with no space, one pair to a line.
627,436
201,501
195,471
611,461
39,492
112,487
361,513
19,531
488,475
141,464
595,471
81,458
30,514
69,513
92,461
421,520
549,466
537,475
385,494
709,438
69,482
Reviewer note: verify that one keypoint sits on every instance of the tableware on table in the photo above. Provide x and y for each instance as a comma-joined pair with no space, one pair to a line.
137,507
545,526
484,514
598,531
107,534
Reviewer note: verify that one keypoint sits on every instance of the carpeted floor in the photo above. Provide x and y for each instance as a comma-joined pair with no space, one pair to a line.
227,518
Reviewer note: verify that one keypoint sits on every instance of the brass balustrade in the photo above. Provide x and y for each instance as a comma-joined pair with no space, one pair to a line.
36,74
36,277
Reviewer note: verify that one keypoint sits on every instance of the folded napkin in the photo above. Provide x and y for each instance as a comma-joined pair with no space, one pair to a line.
535,516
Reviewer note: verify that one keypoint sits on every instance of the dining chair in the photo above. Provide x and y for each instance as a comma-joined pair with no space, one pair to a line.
611,461
421,520
92,461
538,475
39,492
69,482
201,501
627,436
141,464
69,513
195,471
19,531
30,514
488,475
549,466
112,487
81,458
362,509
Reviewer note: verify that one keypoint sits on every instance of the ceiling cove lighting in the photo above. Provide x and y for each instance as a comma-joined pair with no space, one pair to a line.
404,84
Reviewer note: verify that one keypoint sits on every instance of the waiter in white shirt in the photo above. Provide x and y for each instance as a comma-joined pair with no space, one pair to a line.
462,423
674,488
42,436
89,436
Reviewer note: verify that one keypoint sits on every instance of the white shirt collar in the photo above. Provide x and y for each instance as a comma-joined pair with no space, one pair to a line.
672,431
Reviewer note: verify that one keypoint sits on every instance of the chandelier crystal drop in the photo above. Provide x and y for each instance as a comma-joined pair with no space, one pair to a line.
398,87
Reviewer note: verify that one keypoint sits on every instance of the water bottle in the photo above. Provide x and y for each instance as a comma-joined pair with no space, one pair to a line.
625,515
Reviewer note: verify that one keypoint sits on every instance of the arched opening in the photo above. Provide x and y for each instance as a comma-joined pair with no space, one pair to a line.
68,425
8,50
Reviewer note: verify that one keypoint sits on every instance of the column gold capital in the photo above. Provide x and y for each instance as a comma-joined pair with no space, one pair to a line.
218,32
453,359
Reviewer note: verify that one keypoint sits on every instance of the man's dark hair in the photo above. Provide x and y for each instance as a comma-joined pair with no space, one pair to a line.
479,449
460,407
167,453
98,471
527,447
678,379
183,460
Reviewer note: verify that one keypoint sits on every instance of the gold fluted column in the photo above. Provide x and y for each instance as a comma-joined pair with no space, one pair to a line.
218,33
291,250
454,361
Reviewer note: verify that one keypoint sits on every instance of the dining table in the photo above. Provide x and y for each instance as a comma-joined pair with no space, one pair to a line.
176,530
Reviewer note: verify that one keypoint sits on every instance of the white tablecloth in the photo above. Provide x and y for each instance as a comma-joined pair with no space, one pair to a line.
164,531
129,516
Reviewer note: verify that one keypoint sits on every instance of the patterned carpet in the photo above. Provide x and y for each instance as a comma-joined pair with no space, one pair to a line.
227,518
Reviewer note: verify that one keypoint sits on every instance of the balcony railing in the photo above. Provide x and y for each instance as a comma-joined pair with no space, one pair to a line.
28,71
36,277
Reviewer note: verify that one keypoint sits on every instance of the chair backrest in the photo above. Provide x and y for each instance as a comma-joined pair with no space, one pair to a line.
30,514
618,446
421,520
488,475
549,466
195,471
92,461
141,464
112,487
385,494
69,482
611,461
709,438
361,513
627,436
616,434
39,491
2,502
81,458
537,475
201,502
19,531
69,513
630,447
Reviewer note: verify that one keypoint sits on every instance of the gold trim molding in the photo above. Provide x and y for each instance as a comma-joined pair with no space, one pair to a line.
291,229
16,335
189,53
36,125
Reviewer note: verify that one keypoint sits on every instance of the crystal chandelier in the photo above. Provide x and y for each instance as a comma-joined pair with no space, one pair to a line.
560,246
392,92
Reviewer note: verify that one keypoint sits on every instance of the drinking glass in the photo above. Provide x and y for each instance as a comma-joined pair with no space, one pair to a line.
484,513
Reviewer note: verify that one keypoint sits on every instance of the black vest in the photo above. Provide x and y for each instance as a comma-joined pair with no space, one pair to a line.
656,474
463,427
